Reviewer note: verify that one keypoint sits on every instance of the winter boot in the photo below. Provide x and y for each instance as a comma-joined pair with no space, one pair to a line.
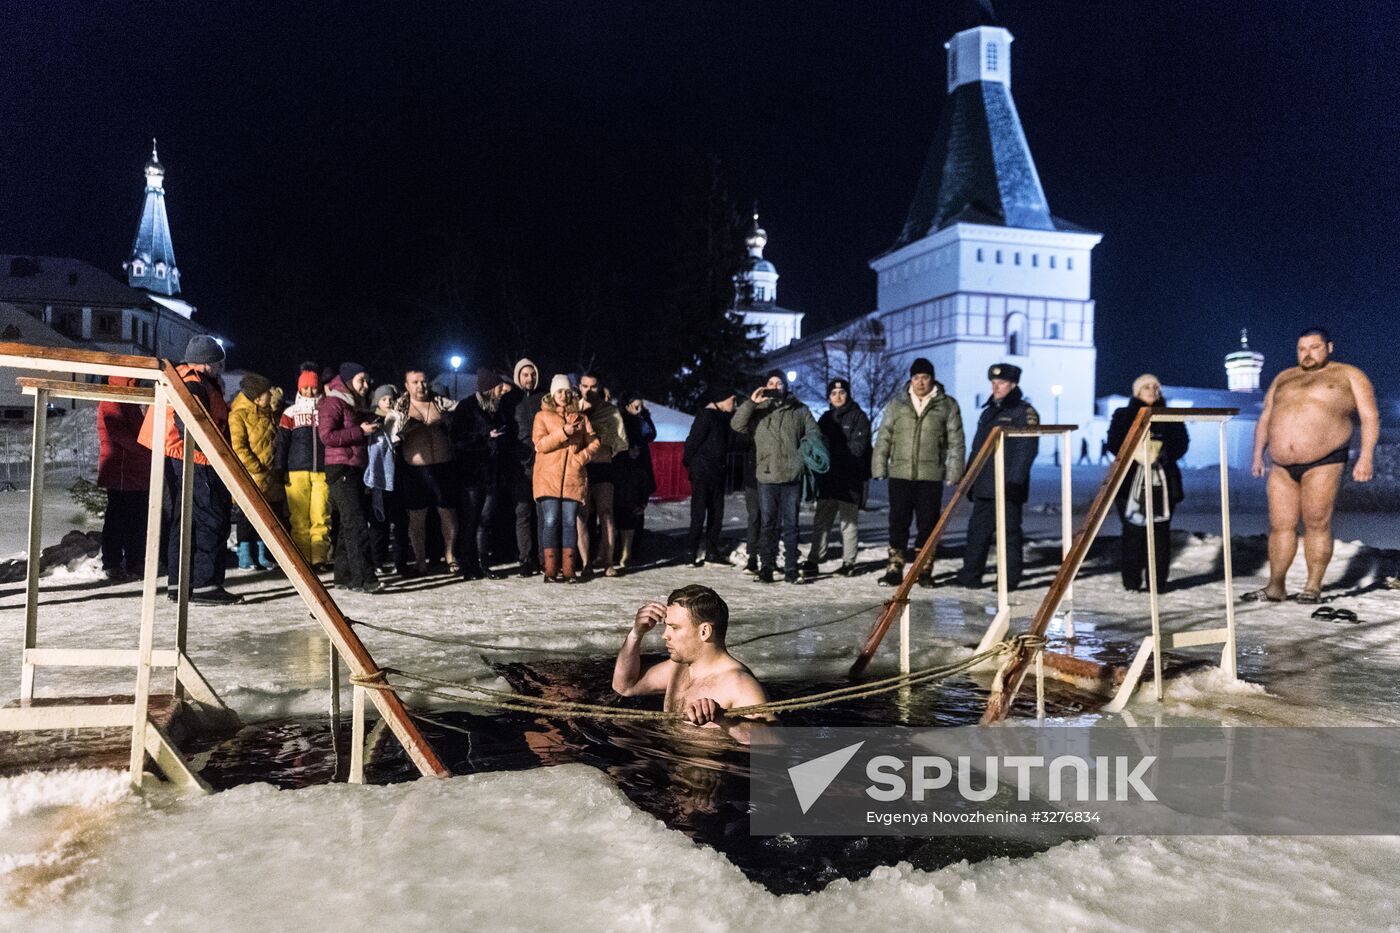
926,577
847,569
264,558
570,569
894,570
245,556
751,565
551,565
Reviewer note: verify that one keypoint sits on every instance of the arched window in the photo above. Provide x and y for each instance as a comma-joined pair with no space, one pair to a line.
1013,343
1054,331
1016,328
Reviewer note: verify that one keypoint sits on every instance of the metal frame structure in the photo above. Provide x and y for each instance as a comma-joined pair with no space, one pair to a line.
992,449
169,392
1133,449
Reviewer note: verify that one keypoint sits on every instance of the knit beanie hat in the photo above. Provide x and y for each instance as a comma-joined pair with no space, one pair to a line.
203,349
921,366
780,374
254,385
487,379
560,381
1143,380
349,371
521,364
307,378
381,392
838,383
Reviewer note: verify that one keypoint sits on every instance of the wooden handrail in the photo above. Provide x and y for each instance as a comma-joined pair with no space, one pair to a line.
999,703
924,557
90,362
95,391
215,447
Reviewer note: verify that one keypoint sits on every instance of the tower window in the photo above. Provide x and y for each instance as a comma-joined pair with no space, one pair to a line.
998,255
1035,260
992,56
1069,262
1052,262
1013,343
1017,258
1054,331
979,254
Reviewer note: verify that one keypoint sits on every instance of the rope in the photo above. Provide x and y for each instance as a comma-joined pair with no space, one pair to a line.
523,703
458,642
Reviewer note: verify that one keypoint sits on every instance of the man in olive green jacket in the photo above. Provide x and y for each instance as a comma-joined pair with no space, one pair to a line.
778,423
920,446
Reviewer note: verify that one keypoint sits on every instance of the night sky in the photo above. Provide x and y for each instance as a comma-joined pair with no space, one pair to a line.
332,166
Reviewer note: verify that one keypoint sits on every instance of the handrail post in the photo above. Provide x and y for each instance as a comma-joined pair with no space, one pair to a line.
148,588
999,473
36,543
1227,660
1066,527
182,604
1144,459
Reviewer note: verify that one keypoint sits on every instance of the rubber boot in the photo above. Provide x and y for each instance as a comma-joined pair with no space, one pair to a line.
570,567
551,564
894,569
245,555
264,558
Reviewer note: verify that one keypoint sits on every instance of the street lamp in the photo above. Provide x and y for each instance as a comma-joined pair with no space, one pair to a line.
456,361
792,376
1056,390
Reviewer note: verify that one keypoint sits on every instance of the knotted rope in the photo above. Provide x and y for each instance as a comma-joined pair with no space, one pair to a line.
507,700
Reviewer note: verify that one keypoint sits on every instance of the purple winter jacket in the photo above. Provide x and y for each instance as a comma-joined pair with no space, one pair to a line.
339,415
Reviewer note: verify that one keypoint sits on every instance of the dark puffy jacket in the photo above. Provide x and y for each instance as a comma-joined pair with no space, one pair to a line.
634,468
1011,412
1174,440
778,427
477,453
521,407
707,444
846,431
339,416
299,446
123,465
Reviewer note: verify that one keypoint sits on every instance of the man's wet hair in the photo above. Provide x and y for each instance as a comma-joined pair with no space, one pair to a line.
704,605
1320,331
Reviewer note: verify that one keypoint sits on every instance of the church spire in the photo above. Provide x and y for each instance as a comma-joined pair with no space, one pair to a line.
757,285
151,265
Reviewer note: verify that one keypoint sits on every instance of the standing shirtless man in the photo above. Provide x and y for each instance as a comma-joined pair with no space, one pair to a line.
1306,425
701,679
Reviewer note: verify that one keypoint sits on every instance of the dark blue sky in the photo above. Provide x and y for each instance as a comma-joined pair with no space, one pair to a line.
1239,157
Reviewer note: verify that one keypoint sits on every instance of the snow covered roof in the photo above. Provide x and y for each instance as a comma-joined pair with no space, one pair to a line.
979,169
59,279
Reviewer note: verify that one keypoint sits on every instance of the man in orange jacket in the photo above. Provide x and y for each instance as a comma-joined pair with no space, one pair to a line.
201,371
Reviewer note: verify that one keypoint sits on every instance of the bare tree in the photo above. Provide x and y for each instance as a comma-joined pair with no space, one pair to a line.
857,352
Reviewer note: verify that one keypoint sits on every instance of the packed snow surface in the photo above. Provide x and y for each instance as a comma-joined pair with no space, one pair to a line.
562,846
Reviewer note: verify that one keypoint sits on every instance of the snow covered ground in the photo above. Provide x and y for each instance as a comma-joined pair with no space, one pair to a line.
77,852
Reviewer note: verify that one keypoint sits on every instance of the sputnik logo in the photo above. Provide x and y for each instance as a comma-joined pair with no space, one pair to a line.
811,778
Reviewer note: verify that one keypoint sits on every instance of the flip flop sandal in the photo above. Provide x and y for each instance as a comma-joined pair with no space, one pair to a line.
1259,596
1306,597
1326,613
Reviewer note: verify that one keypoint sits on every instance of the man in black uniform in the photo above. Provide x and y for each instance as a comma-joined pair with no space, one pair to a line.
1007,408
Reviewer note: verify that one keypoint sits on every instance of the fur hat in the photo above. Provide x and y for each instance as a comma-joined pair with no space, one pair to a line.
203,349
560,381
780,375
1143,380
254,385
921,366
1004,371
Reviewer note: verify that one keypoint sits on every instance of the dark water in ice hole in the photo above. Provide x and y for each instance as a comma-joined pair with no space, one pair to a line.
696,786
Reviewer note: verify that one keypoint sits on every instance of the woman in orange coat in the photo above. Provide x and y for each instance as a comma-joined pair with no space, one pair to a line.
564,443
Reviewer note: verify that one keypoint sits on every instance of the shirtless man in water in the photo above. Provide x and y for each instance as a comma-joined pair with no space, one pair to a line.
701,679
1306,425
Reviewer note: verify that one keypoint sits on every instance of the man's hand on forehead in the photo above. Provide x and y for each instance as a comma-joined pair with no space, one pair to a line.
649,615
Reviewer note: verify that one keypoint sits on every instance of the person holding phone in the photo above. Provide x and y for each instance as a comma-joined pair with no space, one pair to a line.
778,422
